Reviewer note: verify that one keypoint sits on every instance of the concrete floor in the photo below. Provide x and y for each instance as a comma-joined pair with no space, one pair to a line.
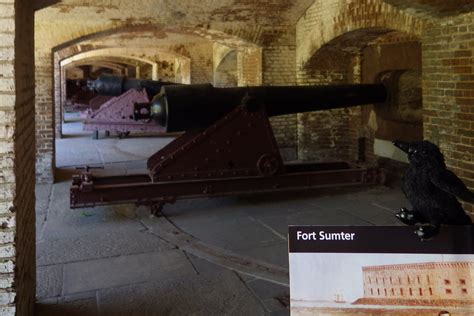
223,256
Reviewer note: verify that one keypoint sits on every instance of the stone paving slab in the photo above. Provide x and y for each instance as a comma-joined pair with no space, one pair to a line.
69,298
275,253
311,216
40,219
266,292
76,152
274,297
206,208
78,148
220,294
204,267
373,214
95,246
42,192
83,307
392,201
62,222
234,233
85,222
116,271
282,312
49,281
165,230
264,289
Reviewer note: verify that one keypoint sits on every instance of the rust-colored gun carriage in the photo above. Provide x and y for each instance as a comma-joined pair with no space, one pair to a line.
228,147
115,114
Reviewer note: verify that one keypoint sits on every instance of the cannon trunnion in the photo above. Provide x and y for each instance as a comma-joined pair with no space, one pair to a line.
234,154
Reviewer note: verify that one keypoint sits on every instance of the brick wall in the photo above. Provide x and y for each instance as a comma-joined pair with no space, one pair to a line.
201,62
448,92
167,68
17,180
278,69
327,135
146,72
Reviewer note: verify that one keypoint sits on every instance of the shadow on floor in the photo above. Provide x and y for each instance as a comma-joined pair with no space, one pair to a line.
77,308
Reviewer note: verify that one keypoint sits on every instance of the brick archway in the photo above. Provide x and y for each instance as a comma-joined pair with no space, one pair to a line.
334,58
81,53
225,70
318,27
46,147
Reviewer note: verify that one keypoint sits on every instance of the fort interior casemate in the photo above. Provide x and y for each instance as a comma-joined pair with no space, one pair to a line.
153,153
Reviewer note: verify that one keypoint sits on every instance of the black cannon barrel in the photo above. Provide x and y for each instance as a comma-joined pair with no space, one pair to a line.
115,85
187,107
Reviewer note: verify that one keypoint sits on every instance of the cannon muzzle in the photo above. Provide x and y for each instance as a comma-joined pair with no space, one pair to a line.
114,85
187,107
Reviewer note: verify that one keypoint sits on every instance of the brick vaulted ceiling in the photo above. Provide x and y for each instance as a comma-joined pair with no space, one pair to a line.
60,21
263,12
433,8
70,19
281,12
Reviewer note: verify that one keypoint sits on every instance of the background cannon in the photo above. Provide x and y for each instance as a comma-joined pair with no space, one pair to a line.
228,147
115,114
115,85
77,95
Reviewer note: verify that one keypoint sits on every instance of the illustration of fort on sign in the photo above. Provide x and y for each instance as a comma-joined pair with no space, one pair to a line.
426,284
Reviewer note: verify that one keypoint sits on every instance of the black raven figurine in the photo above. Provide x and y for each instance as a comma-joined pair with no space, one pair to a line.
432,190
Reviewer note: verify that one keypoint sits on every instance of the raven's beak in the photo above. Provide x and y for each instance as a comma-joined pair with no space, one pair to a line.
404,146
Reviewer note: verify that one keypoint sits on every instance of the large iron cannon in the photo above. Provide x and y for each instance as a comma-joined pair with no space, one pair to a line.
228,147
115,85
187,107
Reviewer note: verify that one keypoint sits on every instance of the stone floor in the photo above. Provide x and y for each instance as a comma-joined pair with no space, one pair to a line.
203,257
78,148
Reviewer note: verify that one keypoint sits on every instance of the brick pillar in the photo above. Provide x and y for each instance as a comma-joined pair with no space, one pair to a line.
201,63
62,98
58,83
17,156
249,67
45,117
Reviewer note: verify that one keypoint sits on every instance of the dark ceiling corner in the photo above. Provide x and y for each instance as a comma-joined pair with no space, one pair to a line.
41,4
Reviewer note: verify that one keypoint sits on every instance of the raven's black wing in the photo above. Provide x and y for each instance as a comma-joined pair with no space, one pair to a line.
447,181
